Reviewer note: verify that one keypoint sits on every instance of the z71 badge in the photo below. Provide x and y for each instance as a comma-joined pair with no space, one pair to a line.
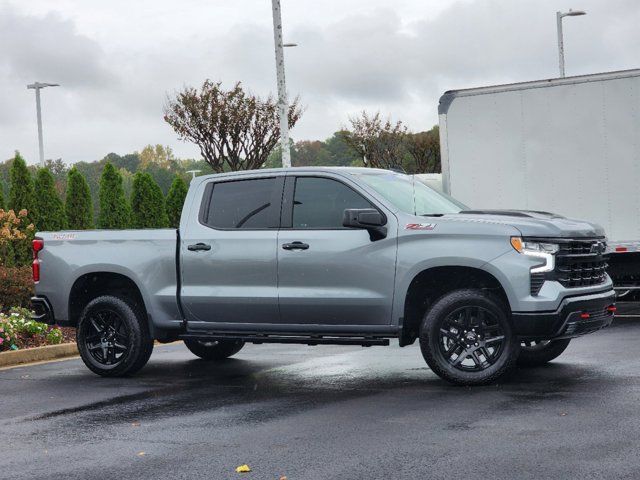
420,226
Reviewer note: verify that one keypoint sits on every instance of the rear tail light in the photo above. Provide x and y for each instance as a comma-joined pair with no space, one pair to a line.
611,308
38,244
584,315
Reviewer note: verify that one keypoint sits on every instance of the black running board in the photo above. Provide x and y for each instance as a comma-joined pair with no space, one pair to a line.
281,338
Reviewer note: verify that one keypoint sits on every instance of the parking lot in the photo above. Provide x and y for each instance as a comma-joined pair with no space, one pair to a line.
326,412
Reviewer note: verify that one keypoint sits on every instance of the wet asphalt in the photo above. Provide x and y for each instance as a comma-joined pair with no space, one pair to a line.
326,412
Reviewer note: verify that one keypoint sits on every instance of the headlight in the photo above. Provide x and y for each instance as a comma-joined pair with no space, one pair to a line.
541,250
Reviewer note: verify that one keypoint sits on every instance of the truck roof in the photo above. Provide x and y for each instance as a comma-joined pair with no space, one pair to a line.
447,97
343,170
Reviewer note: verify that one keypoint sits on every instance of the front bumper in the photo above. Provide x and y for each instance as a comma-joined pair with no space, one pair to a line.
576,316
42,310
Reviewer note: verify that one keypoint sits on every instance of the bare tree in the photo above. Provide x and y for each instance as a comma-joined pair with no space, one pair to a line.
234,129
378,141
424,149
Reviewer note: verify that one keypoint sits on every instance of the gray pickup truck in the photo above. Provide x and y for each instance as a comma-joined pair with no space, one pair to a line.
348,256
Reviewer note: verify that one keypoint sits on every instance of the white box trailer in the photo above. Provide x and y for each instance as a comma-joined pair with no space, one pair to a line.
570,146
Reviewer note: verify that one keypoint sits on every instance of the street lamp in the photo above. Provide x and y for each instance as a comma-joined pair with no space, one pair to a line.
559,17
283,106
193,173
37,86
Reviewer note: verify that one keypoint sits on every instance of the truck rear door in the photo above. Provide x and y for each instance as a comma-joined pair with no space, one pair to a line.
228,252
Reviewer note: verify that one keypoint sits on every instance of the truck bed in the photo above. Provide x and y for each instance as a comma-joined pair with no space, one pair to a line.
148,257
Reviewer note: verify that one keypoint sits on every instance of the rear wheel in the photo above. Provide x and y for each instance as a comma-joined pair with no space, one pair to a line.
215,349
113,337
467,339
536,353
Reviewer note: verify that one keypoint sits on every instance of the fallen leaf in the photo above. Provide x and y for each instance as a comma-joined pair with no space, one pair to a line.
141,454
243,468
135,424
283,477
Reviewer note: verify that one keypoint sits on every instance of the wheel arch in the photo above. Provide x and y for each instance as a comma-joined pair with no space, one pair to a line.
93,284
429,284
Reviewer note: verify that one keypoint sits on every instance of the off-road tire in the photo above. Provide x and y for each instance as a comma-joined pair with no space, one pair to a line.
134,321
537,355
430,337
214,350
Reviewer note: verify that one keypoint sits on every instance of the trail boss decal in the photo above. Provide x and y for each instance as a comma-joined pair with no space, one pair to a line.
64,236
420,226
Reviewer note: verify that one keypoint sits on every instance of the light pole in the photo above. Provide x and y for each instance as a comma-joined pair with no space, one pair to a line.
283,105
559,17
37,86
193,173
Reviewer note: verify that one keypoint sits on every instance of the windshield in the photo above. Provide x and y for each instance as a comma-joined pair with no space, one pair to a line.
411,195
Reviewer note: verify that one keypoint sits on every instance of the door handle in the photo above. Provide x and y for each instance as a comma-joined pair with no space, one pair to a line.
199,246
295,246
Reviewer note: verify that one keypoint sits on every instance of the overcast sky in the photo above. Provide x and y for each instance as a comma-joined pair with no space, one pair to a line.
117,60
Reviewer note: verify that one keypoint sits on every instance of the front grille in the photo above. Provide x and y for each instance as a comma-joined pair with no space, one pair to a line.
578,265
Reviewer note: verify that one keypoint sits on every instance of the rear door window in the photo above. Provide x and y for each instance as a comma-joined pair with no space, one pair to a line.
243,204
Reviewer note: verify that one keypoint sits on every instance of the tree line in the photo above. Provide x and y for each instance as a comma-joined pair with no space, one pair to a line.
47,210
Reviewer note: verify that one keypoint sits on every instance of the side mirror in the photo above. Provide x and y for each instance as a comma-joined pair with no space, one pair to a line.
368,219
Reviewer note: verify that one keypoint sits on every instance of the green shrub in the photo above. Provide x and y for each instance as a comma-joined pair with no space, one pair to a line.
147,203
16,286
115,212
51,216
54,336
78,203
175,201
17,328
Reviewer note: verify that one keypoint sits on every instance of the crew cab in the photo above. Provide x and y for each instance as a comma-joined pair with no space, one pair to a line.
349,256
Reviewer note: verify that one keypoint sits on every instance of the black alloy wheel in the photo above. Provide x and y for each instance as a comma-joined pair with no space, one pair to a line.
113,336
107,340
471,338
466,337
534,353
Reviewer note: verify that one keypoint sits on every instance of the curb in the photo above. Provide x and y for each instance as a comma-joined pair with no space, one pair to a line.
38,354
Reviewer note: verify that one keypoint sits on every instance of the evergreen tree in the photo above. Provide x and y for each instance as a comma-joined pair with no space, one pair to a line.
147,203
21,195
115,212
175,201
1,197
78,205
50,209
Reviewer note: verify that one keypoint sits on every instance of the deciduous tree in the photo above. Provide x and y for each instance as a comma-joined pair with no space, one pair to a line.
175,201
78,202
379,142
115,212
424,149
51,216
234,129
147,203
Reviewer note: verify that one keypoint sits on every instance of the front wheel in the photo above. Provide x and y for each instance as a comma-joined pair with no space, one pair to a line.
534,354
466,338
215,349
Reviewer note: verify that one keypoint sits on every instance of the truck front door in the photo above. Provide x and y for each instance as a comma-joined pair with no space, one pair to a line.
228,253
329,274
